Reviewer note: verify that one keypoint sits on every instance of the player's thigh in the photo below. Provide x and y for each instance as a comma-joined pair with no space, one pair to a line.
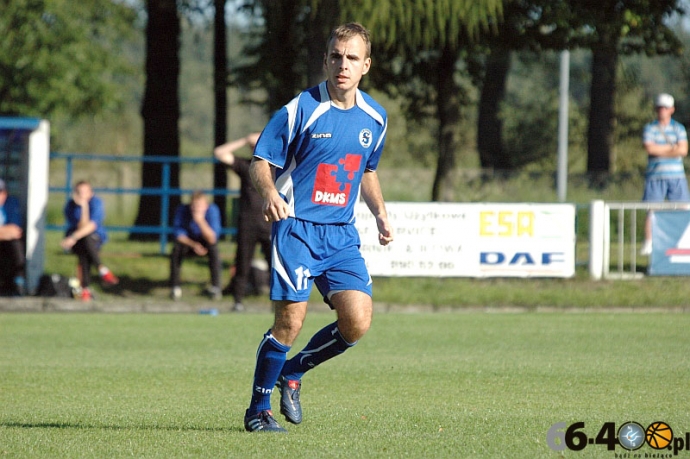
293,265
346,270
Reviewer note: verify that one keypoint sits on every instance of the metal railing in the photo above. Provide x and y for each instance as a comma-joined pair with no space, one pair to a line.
165,191
601,239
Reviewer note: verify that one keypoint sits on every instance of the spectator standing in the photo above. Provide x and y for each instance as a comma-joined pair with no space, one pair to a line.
196,228
85,214
666,143
12,258
252,228
314,158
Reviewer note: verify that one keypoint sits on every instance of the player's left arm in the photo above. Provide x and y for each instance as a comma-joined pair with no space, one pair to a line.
371,192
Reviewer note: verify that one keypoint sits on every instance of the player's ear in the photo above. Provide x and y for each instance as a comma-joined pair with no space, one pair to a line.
367,66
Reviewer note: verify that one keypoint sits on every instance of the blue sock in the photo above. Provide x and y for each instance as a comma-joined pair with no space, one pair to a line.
325,344
269,361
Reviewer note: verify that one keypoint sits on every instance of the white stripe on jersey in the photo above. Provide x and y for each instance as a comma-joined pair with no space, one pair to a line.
323,107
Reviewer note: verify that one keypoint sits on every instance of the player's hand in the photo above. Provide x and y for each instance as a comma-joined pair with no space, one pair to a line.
385,230
10,232
199,249
68,242
275,208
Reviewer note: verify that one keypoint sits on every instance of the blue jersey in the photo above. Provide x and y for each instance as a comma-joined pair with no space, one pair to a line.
10,212
184,224
664,168
321,151
96,215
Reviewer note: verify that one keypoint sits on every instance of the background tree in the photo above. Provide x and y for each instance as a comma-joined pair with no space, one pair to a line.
285,49
428,36
161,108
616,27
534,25
220,98
55,59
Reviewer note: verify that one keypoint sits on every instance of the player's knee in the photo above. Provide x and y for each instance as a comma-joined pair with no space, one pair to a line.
288,322
354,328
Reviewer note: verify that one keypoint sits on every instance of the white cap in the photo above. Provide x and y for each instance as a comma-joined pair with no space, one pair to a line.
664,100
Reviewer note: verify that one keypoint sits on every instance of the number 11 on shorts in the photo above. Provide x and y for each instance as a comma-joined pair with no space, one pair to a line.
303,276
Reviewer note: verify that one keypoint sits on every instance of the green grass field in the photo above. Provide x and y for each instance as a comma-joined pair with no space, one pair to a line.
418,385
144,273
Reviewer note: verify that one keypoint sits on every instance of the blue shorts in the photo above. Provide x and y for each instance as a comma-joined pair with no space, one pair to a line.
304,253
671,189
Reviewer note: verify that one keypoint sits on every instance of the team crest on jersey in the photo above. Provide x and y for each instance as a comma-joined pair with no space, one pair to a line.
365,138
331,186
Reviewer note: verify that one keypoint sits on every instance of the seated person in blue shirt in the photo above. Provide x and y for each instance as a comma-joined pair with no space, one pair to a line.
197,228
12,259
85,215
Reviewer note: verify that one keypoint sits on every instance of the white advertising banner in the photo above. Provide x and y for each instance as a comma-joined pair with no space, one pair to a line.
471,240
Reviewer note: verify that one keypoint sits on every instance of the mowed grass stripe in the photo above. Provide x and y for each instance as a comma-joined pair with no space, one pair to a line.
417,385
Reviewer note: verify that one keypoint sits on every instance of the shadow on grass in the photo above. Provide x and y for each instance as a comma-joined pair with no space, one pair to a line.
194,267
80,425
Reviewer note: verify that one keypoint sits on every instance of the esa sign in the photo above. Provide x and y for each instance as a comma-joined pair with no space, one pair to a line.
471,240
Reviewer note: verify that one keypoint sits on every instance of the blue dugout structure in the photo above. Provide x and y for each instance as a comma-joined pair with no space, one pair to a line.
165,191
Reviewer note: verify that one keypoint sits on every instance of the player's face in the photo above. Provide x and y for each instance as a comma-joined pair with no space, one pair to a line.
199,205
346,63
83,193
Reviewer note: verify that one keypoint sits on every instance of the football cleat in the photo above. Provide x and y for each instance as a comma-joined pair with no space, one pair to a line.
110,278
262,422
290,406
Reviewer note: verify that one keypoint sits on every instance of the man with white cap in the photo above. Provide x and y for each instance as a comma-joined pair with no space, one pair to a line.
666,143
12,259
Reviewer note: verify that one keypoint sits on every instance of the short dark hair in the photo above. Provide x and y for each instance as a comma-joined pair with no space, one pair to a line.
349,30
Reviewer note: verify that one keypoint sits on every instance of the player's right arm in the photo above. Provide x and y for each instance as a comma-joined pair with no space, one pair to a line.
275,208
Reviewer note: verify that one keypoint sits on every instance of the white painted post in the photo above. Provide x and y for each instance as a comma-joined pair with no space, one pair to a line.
596,239
37,200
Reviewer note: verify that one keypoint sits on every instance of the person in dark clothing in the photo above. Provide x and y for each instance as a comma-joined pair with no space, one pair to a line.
12,259
196,229
252,229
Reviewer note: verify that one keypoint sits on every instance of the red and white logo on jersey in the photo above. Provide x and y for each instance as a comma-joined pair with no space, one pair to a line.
332,184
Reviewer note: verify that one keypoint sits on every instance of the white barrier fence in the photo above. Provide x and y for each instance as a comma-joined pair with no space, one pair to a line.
600,238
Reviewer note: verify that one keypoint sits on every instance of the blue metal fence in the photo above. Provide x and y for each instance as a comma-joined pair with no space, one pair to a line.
165,191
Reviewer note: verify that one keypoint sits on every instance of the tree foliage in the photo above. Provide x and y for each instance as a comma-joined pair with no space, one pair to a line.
57,56
419,46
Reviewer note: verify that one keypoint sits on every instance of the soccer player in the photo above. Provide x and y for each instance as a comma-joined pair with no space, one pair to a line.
323,148
85,235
